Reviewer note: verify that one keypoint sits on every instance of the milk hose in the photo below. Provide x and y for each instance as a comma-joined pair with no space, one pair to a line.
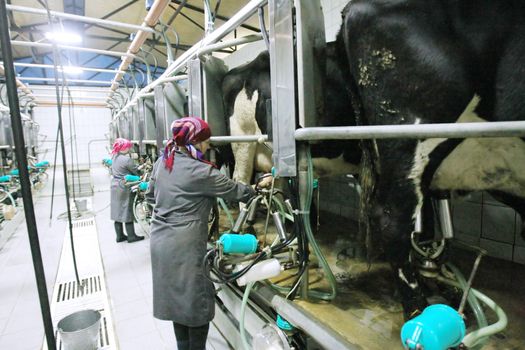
242,330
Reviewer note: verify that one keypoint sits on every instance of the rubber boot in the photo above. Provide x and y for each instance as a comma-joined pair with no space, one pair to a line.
130,230
119,229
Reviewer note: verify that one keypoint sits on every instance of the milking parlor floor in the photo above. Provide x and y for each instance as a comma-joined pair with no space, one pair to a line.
366,310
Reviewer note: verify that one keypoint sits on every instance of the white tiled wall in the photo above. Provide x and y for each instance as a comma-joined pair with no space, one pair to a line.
91,123
332,16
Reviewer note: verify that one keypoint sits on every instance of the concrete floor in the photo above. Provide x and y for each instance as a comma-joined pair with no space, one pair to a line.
127,273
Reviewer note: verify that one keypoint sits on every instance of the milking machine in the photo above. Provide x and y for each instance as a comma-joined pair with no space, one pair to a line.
138,185
440,326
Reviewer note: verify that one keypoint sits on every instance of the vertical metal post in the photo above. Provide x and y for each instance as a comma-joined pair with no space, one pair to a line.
282,68
21,159
141,110
195,89
160,111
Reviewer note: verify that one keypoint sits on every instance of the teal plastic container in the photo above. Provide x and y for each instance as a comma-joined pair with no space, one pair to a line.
42,164
143,186
132,178
233,243
15,172
5,178
439,327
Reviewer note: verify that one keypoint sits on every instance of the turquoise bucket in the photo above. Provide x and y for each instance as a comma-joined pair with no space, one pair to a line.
439,327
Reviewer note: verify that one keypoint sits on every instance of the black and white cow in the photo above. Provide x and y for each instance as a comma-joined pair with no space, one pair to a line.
411,62
441,61
245,91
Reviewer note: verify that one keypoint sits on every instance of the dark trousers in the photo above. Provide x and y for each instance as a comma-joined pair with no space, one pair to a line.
191,338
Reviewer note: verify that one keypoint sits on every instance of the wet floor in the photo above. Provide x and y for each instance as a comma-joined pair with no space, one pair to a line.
366,310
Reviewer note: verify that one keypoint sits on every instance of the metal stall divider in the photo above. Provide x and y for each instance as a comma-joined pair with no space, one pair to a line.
139,124
213,70
150,125
195,88
282,71
170,104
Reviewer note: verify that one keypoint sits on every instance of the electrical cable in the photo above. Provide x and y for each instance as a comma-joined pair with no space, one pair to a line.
56,61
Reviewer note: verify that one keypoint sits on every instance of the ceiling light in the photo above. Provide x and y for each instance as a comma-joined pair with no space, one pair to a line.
71,70
64,37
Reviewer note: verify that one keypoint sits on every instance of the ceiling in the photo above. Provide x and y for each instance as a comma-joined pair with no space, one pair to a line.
188,25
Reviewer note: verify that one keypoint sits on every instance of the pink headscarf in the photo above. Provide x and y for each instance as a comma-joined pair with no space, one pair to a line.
121,145
186,132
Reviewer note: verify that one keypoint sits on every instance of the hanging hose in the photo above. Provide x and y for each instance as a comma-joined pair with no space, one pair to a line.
473,338
242,330
56,61
306,222
472,300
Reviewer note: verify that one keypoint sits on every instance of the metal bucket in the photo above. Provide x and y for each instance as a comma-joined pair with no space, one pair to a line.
81,204
80,330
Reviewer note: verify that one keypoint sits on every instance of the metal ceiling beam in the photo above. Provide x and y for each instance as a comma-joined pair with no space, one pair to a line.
222,18
84,19
191,20
114,12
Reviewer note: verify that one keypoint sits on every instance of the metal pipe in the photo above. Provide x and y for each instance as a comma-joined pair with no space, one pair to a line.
86,97
21,159
68,80
73,48
413,131
235,139
241,16
36,89
229,43
151,20
50,66
80,18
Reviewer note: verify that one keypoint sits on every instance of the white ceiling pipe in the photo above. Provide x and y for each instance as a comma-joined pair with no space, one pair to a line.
50,66
68,47
42,88
67,80
80,18
240,17
150,20
37,95
229,43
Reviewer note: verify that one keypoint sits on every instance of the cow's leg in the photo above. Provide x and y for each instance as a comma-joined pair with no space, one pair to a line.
394,204
405,70
242,122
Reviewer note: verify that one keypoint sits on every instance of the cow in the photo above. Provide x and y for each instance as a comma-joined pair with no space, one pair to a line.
420,62
410,62
246,89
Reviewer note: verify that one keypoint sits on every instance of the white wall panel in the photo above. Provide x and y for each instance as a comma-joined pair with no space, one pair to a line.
332,16
90,124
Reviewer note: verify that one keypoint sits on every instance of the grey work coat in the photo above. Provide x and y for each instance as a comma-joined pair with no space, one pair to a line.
121,197
179,232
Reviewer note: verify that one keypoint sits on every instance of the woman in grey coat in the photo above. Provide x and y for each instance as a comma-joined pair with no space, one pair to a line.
121,198
183,187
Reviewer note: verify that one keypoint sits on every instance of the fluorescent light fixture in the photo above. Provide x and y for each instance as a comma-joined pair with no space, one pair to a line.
71,70
64,37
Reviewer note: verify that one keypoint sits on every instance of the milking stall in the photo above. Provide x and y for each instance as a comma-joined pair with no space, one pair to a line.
262,174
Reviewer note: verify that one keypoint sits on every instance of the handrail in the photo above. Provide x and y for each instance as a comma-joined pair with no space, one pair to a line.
413,131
